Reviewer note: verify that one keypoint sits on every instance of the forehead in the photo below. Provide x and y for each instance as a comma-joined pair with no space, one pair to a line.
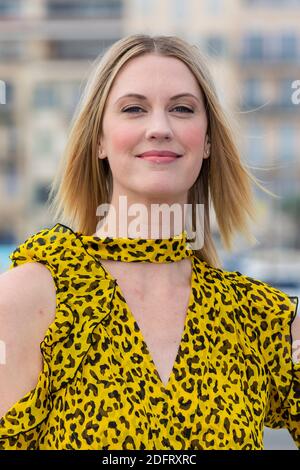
150,71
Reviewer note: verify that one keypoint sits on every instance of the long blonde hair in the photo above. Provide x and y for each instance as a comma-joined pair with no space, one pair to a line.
84,181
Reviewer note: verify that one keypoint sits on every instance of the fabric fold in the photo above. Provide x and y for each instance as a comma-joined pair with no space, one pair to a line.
69,337
271,312
99,387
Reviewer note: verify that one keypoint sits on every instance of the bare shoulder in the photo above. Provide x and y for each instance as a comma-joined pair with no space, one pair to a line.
28,289
27,307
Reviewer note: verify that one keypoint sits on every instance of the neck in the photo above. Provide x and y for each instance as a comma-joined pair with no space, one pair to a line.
148,221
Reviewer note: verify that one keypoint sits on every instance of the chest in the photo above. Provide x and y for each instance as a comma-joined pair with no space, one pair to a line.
159,311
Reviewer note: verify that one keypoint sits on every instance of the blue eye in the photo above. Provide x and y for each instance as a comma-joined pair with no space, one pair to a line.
185,108
131,108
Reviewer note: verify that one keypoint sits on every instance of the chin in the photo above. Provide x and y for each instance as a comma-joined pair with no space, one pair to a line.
160,194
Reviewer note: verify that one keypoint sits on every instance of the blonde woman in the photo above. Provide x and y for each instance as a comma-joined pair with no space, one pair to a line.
134,339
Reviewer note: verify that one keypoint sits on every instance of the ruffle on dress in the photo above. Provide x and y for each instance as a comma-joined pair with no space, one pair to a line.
273,312
84,295
73,327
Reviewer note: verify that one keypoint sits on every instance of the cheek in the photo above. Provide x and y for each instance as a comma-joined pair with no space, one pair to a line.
194,138
122,139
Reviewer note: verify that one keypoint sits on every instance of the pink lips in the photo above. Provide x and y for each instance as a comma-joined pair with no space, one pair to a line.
159,156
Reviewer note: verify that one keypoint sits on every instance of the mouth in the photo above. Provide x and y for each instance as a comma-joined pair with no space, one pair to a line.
159,158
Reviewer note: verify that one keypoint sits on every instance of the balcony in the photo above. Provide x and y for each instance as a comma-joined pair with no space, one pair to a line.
273,5
269,60
271,49
77,50
271,107
106,9
10,9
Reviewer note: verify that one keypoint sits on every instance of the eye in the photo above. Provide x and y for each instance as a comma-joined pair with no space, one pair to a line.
184,108
131,108
135,109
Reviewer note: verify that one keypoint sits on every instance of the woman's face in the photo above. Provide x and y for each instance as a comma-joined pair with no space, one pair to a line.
157,121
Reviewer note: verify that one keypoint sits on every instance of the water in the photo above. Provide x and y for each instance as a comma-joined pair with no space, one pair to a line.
5,251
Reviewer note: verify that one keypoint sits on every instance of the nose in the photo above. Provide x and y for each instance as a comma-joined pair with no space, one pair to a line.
158,127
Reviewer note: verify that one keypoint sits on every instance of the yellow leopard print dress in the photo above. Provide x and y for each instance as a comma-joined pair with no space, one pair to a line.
99,388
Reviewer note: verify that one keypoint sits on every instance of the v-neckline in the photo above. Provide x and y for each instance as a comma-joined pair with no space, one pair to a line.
144,346
166,387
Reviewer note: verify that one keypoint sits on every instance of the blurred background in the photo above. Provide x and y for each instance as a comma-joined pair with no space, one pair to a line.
253,47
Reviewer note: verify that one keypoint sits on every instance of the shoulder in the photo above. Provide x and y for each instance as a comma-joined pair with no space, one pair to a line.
54,247
27,307
22,278
27,298
260,294
258,299
44,243
269,310
28,289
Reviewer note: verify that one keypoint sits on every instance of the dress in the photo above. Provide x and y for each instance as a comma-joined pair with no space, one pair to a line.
99,388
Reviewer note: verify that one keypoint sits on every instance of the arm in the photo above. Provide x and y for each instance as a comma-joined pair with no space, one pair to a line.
296,339
27,307
285,370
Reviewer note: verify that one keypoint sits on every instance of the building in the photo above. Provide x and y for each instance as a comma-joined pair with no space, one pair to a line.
46,47
253,47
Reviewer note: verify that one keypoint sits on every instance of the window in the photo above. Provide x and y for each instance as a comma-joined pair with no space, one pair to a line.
7,237
287,142
63,95
179,9
252,93
142,7
215,46
86,8
254,46
288,46
214,7
285,93
41,193
255,144
77,50
283,46
72,91
43,143
45,95
11,50
10,8
11,178
9,140
272,3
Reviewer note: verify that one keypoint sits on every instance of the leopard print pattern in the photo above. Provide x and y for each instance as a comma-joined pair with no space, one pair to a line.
99,388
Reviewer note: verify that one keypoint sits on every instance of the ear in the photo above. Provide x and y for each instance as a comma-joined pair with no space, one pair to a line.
207,146
101,153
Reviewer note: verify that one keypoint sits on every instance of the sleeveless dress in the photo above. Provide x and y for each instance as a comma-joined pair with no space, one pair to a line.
99,387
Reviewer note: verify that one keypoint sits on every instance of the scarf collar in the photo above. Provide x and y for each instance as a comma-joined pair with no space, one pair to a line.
154,250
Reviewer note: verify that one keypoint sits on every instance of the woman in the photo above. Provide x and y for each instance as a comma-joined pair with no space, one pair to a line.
146,343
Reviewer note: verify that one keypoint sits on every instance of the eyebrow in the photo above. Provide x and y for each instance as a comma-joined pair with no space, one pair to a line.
144,98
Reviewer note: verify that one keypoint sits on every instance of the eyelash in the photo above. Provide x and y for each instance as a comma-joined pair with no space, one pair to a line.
135,107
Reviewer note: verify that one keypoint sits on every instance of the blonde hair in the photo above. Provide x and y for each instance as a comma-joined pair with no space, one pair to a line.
84,181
